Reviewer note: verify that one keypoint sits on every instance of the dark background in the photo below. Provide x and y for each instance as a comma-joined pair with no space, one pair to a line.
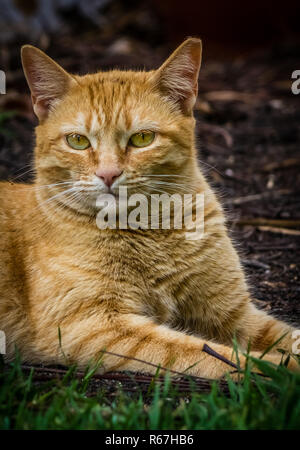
248,119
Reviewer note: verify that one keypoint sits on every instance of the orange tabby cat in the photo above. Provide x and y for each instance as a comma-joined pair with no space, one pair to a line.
150,294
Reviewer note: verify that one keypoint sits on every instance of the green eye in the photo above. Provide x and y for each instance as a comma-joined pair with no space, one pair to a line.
77,141
142,139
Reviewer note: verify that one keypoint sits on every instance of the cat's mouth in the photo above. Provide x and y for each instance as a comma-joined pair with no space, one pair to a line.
90,194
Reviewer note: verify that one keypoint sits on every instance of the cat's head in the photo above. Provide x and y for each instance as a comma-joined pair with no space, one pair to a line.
99,131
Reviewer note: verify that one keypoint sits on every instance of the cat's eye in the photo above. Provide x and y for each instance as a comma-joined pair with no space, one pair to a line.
142,139
77,141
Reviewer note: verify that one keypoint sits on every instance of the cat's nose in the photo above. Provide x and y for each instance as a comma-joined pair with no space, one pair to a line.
108,176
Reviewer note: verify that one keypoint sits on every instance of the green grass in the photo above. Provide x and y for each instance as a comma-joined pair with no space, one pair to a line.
253,403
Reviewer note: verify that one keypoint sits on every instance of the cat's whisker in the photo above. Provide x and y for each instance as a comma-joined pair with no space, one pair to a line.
166,175
63,183
205,164
182,189
211,167
161,182
70,201
157,190
166,183
135,181
22,174
49,200
57,196
24,167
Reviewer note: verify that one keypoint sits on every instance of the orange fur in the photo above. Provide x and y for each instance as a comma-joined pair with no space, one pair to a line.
150,294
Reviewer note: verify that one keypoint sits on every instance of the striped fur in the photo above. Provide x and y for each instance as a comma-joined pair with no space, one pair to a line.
153,294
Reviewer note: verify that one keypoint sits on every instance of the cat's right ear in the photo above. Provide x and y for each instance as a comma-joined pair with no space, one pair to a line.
177,78
47,81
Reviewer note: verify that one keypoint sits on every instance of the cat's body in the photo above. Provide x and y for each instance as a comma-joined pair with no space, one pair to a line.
150,294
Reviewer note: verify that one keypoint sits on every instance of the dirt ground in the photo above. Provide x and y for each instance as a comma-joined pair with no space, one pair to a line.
248,128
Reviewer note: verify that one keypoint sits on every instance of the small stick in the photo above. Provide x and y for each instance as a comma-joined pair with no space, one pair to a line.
269,222
253,197
211,352
42,374
290,162
254,263
182,374
280,230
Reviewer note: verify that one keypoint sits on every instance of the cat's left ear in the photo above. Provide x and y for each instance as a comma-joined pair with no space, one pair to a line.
177,78
47,81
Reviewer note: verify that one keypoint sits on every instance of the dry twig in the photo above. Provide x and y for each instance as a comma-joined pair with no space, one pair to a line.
262,221
280,230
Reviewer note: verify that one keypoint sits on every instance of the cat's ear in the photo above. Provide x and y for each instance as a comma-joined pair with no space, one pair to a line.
177,78
47,81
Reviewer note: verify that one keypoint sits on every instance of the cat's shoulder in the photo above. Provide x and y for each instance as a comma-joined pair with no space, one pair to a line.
13,195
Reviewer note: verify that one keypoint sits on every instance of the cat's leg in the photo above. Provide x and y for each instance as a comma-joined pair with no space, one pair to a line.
228,309
139,337
263,331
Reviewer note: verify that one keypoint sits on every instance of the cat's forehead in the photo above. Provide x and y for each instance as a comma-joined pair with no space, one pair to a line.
115,85
114,99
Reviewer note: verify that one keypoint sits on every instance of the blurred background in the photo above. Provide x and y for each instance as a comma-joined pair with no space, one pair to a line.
248,119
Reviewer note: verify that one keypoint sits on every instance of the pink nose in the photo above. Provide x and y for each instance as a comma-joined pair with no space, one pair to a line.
108,175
